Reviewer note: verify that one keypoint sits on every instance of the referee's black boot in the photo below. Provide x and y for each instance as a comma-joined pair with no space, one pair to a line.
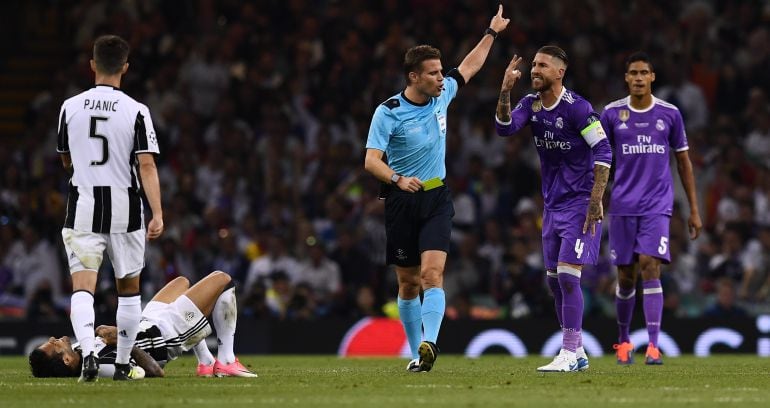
90,371
428,352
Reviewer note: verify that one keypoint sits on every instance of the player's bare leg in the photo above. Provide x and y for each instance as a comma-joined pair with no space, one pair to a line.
169,293
214,295
205,292
172,290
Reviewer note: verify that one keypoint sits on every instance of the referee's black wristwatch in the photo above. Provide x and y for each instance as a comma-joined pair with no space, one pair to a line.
491,32
394,178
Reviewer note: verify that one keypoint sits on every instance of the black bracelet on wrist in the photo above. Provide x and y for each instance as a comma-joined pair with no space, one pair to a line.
491,32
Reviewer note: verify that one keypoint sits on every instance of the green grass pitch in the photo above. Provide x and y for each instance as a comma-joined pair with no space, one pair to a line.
495,380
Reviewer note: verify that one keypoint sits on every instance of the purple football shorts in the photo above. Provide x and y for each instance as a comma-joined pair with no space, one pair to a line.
564,241
632,235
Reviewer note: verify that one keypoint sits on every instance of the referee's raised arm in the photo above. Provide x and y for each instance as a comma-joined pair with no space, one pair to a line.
473,62
411,128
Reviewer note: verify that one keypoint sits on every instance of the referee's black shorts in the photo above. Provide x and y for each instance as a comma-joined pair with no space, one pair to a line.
417,222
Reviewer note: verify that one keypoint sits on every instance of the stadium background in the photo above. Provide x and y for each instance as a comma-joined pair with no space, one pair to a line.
262,110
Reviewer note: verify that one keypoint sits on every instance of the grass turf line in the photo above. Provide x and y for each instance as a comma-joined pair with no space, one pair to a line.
495,380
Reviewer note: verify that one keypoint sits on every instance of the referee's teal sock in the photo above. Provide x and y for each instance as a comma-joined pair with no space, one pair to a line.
409,312
433,306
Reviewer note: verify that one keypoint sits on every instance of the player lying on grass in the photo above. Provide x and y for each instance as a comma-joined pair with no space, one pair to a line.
174,321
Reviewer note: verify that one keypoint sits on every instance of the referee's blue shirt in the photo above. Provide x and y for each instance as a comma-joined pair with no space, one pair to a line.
413,136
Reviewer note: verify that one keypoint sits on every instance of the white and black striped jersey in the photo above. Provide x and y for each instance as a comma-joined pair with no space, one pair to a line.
106,354
150,339
103,129
163,349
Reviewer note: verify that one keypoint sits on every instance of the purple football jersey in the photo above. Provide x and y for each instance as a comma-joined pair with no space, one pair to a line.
641,141
564,135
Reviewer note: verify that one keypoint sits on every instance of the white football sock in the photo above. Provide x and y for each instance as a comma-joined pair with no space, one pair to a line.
127,319
225,317
82,319
203,353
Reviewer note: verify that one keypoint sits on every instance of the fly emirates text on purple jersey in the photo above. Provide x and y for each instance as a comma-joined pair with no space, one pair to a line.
570,141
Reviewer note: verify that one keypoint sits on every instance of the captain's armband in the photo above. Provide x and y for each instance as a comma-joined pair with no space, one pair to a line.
593,133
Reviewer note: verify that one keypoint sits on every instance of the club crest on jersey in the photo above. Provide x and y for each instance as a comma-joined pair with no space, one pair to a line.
624,114
559,122
189,316
660,125
536,106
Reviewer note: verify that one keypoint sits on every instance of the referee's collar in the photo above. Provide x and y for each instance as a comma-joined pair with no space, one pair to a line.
107,86
411,102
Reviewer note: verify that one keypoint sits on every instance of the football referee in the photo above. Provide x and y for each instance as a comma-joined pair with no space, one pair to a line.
410,128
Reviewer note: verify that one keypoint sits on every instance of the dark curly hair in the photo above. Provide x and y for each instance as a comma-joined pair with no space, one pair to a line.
43,365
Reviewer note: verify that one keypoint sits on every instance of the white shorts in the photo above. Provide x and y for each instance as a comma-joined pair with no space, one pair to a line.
85,251
181,323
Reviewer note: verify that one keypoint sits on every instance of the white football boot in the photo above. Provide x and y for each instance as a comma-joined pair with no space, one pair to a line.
582,359
566,361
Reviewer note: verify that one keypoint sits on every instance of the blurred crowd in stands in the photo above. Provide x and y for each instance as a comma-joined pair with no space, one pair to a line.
262,110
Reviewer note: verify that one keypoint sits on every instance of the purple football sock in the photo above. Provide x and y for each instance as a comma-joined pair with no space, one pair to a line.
553,282
653,308
572,306
624,305
571,339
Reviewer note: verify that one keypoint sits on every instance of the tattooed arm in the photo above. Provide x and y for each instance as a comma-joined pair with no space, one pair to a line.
509,80
144,360
109,334
594,135
595,208
504,107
